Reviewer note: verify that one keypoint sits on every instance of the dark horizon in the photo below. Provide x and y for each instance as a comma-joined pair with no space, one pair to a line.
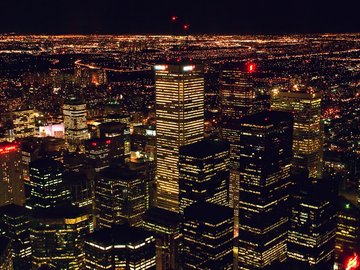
146,17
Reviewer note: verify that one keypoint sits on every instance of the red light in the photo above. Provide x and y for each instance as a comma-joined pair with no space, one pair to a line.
108,141
94,144
8,149
186,27
352,263
251,67
174,18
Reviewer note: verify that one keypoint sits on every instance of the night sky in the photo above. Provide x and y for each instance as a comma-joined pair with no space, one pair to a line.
212,16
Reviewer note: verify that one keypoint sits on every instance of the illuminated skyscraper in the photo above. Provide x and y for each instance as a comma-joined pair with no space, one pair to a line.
347,240
120,197
204,173
57,237
311,237
208,237
76,129
179,121
47,188
11,179
97,153
165,225
23,123
305,104
15,224
237,92
265,162
120,247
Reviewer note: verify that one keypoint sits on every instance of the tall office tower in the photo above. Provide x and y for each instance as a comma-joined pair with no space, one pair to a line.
6,262
76,129
179,121
57,237
81,189
347,240
237,91
23,123
165,226
118,134
47,188
97,153
265,162
120,197
15,224
11,180
312,230
305,104
208,237
120,247
204,173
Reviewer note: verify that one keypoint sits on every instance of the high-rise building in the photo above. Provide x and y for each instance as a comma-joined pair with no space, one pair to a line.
347,240
15,224
165,226
305,104
76,129
120,247
22,123
81,189
6,262
97,153
265,162
118,134
179,94
57,237
204,173
311,239
11,175
208,236
47,188
120,197
237,91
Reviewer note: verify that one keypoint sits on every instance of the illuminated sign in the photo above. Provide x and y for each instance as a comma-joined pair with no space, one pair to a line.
160,67
352,263
7,149
188,68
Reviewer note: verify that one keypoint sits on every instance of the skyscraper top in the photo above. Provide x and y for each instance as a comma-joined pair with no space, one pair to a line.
209,212
266,118
204,148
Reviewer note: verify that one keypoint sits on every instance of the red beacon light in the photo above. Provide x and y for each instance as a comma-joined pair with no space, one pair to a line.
352,263
251,67
186,27
174,18
94,144
108,141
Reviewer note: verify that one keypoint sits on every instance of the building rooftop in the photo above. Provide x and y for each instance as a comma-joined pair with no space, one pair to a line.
204,148
45,163
267,118
119,235
208,212
13,210
119,172
162,217
60,212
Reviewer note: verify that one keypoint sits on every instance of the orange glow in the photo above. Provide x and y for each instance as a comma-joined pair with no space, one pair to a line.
251,67
8,149
353,263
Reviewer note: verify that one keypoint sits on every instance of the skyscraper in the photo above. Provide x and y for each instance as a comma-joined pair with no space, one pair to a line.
22,122
208,237
120,247
305,103
76,130
265,162
11,175
6,262
237,91
165,225
120,197
57,237
179,121
204,173
311,237
15,224
47,188
97,153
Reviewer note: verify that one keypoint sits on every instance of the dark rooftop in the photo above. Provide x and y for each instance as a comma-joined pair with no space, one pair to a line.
162,217
204,148
267,118
45,163
208,212
68,211
13,210
119,234
119,172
